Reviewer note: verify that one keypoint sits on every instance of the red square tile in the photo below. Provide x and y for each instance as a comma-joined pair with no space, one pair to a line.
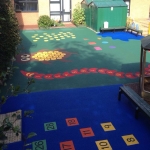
67,145
87,132
72,121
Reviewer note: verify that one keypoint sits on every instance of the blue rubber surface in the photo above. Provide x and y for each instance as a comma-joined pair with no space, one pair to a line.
91,107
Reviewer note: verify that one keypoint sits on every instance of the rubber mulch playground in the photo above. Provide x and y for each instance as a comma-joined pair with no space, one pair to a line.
76,58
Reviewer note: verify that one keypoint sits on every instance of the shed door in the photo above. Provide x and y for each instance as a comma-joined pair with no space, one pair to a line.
60,9
92,17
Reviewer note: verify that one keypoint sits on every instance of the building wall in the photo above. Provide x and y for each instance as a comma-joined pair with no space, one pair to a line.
139,8
74,2
27,18
44,7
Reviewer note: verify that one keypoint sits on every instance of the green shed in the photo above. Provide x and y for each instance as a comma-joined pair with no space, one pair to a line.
87,11
108,15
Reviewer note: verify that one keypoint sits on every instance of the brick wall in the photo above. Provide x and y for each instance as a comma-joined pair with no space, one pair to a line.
139,8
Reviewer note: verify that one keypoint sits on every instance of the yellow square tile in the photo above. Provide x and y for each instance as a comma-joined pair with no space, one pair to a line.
103,145
130,139
108,126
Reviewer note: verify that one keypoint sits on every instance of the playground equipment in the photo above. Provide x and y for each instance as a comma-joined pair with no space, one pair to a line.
144,77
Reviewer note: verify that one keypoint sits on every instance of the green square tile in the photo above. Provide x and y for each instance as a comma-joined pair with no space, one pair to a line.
50,126
38,145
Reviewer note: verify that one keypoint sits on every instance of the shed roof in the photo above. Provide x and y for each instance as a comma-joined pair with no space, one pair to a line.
108,3
87,1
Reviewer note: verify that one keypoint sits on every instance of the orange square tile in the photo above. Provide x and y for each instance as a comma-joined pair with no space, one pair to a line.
87,132
92,43
72,121
67,145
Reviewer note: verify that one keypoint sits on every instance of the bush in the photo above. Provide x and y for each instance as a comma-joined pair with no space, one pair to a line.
9,35
78,15
44,22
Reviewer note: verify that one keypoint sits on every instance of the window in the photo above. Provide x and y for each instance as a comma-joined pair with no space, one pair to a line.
26,5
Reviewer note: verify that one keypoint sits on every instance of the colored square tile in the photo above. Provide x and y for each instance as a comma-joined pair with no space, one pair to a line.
50,126
87,132
72,122
67,145
130,139
103,144
92,43
97,48
38,145
108,126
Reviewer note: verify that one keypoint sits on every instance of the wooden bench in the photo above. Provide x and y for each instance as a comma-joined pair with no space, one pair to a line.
112,29
141,104
132,29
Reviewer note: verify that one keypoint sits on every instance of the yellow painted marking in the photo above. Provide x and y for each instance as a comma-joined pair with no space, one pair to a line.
59,57
41,36
34,40
103,145
73,37
37,38
58,39
36,34
53,58
45,40
47,59
59,34
130,139
51,39
41,59
107,126
33,36
62,38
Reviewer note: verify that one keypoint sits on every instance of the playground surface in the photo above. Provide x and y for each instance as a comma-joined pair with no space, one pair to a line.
77,76
76,58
